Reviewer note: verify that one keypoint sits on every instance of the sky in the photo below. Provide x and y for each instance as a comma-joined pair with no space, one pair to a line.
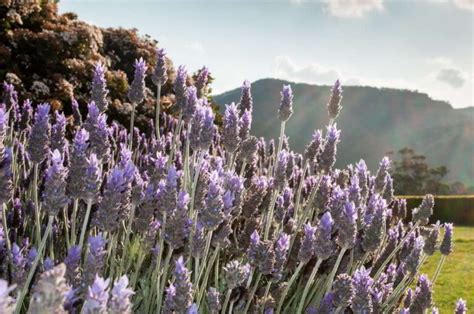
418,45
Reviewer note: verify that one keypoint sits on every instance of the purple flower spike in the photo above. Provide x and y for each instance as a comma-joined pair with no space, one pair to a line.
461,307
96,125
54,194
328,154
78,164
38,142
446,246
191,104
282,246
6,175
422,299
245,125
348,227
120,297
382,172
97,297
160,75
425,210
307,245
323,246
201,81
286,103
230,134
180,87
58,132
334,104
99,87
246,101
184,288
7,303
92,179
136,93
362,301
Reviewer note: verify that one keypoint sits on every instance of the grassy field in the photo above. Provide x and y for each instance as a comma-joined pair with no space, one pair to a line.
457,276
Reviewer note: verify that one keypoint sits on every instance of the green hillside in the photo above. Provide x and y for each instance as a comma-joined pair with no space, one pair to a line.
377,119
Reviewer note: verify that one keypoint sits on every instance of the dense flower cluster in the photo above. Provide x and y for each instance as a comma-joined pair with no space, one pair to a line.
200,219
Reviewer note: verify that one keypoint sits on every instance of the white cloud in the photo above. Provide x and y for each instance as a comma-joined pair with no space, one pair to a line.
464,4
285,68
453,77
353,8
196,47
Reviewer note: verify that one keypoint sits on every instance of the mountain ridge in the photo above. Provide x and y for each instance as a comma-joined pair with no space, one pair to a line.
377,120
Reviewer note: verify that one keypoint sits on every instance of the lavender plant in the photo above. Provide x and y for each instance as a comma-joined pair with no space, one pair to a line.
192,218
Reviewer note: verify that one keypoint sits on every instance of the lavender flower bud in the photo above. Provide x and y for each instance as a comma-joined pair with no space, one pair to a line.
230,133
348,227
96,125
446,246
6,176
180,87
248,150
306,251
76,113
92,179
245,123
461,307
328,154
136,93
202,128
7,303
10,96
413,260
54,194
334,104
252,251
50,292
160,74
282,246
99,87
78,164
201,81
286,103
388,189
246,101
422,298
95,259
184,288
58,132
408,299
119,301
323,246
212,214
326,306
191,104
362,301
26,114
431,240
236,274
19,264
343,291
400,208
199,241
280,171
72,262
424,211
265,257
38,141
375,222
313,149
177,226
169,303
97,297
382,172
213,300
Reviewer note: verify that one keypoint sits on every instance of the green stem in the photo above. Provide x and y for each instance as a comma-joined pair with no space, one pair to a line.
32,271
36,200
127,239
226,301
132,122
290,283
164,276
206,276
308,285
85,222
438,269
157,111
252,293
73,220
334,269
5,227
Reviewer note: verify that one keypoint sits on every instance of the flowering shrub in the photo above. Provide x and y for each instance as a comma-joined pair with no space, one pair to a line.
189,218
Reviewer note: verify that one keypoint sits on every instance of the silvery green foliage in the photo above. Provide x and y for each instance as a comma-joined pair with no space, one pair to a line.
49,293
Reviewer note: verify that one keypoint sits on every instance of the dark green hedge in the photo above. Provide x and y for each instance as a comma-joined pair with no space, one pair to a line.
456,209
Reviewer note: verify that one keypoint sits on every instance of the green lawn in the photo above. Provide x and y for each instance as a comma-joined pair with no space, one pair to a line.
457,276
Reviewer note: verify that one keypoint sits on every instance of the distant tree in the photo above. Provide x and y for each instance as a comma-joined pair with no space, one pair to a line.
413,176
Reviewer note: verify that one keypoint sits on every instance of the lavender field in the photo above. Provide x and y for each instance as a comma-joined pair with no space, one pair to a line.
125,188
